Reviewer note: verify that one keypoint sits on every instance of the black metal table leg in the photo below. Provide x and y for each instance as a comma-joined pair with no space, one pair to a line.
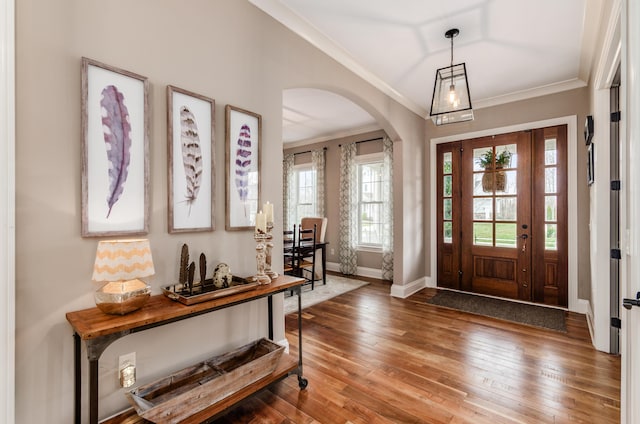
270,306
93,391
302,382
77,371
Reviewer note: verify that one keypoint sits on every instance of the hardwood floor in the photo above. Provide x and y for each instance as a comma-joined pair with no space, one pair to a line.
372,358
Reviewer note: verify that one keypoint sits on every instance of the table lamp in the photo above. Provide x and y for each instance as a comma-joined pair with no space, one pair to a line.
121,263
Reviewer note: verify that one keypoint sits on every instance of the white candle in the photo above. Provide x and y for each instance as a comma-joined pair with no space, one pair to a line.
261,223
268,210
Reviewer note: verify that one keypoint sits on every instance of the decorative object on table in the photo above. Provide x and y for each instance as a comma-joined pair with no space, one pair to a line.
494,169
243,139
121,263
222,277
268,211
451,100
115,145
261,237
189,292
201,385
190,140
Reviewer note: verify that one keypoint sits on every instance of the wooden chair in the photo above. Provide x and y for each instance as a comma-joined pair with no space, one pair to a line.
306,254
289,251
321,228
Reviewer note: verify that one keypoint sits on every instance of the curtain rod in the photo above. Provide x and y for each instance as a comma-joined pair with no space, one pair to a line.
307,151
364,141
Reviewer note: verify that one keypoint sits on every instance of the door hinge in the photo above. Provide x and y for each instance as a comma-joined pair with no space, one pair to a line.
616,254
615,116
615,185
616,322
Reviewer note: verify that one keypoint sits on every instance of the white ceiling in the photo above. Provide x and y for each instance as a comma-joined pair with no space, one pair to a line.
513,49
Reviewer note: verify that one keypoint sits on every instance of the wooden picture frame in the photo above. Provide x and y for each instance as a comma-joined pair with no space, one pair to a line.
242,170
191,170
115,151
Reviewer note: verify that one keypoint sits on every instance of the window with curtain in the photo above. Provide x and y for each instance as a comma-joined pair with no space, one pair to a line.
303,190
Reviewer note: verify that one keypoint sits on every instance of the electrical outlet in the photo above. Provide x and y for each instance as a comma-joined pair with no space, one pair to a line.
333,251
127,369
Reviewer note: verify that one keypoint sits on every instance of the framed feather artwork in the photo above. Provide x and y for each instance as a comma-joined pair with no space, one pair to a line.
115,147
243,138
190,140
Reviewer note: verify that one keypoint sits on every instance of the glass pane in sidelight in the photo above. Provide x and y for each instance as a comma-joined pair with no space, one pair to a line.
506,235
550,208
506,208
550,152
482,158
551,237
447,208
447,188
482,234
447,164
483,209
448,232
550,180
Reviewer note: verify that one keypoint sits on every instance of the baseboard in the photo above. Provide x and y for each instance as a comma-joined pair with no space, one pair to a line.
361,271
284,342
589,313
406,290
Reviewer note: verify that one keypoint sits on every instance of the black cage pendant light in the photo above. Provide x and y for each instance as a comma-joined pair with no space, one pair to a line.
451,100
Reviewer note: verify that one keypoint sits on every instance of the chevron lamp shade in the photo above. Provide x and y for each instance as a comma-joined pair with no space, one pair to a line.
122,260
121,263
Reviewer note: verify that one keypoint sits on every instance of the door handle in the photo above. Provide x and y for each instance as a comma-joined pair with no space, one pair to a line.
524,245
628,303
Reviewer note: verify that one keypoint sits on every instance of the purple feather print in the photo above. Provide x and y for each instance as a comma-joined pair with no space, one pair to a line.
243,162
191,154
117,131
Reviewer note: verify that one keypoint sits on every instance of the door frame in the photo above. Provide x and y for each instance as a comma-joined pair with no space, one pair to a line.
571,121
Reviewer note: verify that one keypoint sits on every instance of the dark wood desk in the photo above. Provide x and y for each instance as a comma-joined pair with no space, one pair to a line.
99,330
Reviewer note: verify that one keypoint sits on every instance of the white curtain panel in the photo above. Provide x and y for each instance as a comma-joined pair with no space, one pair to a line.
318,164
288,192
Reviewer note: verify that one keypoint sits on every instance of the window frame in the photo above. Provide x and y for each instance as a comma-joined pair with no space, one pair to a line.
297,169
367,159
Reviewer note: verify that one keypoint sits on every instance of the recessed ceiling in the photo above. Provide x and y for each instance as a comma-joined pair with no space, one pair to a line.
513,49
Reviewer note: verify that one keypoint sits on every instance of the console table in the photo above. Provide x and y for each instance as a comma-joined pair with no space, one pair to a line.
99,330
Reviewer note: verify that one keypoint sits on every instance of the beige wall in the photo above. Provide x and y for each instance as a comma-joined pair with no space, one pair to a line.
574,102
223,49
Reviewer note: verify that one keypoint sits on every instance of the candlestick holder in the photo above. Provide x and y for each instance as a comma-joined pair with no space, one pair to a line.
261,256
269,247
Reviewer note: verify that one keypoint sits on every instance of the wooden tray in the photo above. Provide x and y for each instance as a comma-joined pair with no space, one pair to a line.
188,391
202,293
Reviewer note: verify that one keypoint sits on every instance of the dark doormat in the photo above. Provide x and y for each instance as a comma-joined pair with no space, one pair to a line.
538,316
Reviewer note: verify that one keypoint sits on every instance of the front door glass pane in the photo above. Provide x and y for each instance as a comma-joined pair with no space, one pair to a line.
482,234
482,209
550,180
551,236
448,232
506,235
448,187
448,206
506,208
550,208
550,152
447,166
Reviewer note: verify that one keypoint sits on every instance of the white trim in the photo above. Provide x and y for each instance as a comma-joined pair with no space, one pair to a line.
544,90
572,190
360,271
284,342
7,212
333,136
406,290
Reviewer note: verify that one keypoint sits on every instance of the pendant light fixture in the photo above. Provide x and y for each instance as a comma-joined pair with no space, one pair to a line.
451,100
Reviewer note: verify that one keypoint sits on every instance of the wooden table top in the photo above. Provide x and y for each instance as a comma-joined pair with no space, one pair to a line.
93,323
